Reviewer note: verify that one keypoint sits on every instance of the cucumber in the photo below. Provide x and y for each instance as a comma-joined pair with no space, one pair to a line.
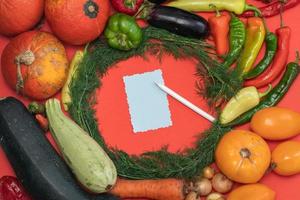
88,161
37,165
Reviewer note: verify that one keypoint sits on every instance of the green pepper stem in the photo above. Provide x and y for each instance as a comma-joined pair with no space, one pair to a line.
281,14
265,24
218,14
255,9
270,87
297,57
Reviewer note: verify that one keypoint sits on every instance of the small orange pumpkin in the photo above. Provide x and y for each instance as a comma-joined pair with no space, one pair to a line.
35,64
77,22
17,16
252,192
243,156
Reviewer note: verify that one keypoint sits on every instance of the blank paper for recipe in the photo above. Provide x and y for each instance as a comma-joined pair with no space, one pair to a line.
148,105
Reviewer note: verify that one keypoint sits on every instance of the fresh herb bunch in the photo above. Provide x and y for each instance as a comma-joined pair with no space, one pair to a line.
157,164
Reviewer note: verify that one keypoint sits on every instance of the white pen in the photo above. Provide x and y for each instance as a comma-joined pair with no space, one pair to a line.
185,102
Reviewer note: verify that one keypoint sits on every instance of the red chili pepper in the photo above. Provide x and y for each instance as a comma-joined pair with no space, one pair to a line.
273,8
219,25
266,1
279,62
42,121
129,7
11,189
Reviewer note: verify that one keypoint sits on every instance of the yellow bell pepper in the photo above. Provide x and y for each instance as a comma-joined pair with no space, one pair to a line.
246,99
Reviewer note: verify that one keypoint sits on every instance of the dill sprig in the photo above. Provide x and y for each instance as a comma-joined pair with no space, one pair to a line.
156,164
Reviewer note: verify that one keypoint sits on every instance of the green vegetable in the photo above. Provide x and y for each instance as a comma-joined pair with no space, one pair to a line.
271,47
237,40
36,108
122,32
274,96
43,172
154,164
88,161
246,99
254,40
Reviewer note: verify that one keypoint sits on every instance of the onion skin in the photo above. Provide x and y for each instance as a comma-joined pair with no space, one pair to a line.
215,196
208,172
221,183
203,187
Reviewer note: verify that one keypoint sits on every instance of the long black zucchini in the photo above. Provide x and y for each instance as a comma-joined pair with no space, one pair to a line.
40,169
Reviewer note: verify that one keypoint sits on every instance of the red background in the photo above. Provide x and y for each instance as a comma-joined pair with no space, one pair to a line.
113,115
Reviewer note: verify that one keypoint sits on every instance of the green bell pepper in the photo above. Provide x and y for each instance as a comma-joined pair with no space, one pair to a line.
122,32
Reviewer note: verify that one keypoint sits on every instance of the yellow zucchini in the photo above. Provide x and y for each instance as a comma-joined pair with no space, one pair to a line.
88,161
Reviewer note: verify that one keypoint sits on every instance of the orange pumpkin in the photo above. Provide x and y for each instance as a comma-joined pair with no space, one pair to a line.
276,123
35,64
17,16
252,192
243,156
77,22
286,158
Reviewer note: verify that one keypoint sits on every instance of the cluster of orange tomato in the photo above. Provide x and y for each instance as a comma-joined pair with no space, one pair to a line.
244,156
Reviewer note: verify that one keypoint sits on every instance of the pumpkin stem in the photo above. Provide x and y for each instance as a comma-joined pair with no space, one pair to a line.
245,153
91,9
26,58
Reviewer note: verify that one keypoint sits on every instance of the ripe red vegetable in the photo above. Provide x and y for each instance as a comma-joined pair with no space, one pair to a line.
129,7
77,22
274,8
11,189
219,25
279,62
43,122
17,16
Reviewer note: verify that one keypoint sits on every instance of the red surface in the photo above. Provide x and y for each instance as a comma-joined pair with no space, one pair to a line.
113,116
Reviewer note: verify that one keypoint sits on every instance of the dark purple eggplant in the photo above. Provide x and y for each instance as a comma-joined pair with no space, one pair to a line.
178,21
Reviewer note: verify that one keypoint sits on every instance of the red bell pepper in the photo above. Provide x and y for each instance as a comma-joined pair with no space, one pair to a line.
11,189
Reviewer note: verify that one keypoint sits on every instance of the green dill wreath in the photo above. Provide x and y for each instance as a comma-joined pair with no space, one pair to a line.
219,84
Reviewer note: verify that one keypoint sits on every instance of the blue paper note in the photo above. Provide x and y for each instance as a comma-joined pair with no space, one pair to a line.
148,105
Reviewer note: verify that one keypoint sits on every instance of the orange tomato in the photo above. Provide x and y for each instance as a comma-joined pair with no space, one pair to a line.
252,192
243,156
286,157
276,123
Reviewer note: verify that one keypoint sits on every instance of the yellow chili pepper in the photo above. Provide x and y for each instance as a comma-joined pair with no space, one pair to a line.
65,94
236,6
246,99
255,37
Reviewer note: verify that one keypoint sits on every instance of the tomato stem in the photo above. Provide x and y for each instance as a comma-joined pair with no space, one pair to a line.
245,153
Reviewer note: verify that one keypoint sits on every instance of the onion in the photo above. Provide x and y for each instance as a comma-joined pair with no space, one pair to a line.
221,183
191,196
208,172
203,187
215,196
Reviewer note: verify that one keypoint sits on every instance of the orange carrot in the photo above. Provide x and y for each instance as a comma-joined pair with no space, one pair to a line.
43,122
219,25
162,189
